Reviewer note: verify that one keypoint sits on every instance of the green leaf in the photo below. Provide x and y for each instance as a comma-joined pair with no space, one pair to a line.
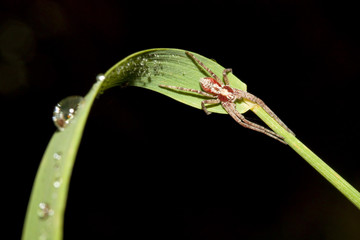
45,214
147,69
172,67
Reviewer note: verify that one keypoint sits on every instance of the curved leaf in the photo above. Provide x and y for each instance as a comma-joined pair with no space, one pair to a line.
147,69
173,67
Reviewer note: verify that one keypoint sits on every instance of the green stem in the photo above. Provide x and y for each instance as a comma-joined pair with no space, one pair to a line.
327,172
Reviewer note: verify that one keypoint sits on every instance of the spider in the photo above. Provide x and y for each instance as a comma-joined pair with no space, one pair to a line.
227,96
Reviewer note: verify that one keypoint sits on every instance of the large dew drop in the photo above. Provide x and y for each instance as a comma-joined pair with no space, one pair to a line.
65,111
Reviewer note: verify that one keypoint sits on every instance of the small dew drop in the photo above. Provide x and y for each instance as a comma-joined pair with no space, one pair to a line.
65,111
57,182
44,211
100,77
57,156
43,236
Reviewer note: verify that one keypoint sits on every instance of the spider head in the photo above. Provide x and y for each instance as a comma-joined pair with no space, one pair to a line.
210,85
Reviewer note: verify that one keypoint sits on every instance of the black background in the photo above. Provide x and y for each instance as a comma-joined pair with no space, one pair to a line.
144,158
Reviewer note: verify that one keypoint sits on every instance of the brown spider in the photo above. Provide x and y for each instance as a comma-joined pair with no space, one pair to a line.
227,96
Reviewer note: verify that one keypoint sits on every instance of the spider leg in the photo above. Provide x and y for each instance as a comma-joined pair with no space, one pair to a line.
261,103
208,101
187,89
205,67
225,72
239,118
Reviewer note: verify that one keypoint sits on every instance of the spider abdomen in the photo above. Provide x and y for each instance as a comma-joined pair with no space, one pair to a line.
226,94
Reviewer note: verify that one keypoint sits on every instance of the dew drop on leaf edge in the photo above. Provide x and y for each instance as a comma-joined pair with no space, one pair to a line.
100,77
65,111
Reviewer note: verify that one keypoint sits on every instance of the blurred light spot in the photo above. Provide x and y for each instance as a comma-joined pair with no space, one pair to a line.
16,47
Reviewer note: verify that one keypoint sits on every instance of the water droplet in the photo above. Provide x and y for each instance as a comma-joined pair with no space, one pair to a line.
57,182
57,156
44,211
43,236
65,111
100,77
